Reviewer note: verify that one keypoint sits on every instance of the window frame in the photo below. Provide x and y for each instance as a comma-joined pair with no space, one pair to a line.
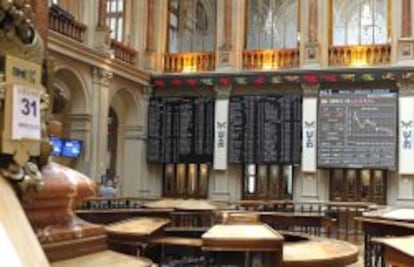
355,193
281,192
332,19
200,184
247,23
117,16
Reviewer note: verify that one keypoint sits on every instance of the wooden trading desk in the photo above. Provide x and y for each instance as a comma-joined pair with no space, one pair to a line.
398,251
319,252
132,236
381,223
252,242
104,259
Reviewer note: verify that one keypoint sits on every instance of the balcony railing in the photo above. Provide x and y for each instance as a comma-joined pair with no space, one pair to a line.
360,55
63,22
270,59
123,52
188,62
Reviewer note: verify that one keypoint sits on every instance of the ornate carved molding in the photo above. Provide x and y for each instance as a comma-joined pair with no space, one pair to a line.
223,92
101,76
310,90
406,87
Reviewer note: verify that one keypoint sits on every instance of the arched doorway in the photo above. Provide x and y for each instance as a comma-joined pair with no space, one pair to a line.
124,161
70,109
112,148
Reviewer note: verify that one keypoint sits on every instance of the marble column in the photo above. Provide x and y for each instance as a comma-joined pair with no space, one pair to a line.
100,107
406,144
102,40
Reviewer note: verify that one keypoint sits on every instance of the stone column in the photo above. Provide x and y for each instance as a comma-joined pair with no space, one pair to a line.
154,59
402,34
224,33
103,32
41,19
406,144
309,185
310,56
239,17
324,27
100,107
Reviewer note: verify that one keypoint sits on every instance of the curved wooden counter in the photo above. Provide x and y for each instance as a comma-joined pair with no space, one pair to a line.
319,252
105,259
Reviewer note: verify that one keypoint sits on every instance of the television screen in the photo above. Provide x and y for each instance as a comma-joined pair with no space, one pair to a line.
57,144
71,148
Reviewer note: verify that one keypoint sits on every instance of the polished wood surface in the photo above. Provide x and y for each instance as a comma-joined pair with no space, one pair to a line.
399,251
383,223
319,252
107,216
177,241
139,227
104,259
18,243
258,237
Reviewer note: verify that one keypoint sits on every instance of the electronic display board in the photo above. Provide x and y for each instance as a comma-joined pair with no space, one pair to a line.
180,130
265,129
357,128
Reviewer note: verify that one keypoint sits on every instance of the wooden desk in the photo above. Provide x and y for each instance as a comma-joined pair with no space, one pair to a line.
253,244
104,259
398,251
132,236
381,223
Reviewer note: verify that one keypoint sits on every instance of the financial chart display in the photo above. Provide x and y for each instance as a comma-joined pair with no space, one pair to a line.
357,128
265,129
180,129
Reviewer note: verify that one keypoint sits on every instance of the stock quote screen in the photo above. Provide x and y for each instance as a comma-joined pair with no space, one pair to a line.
357,128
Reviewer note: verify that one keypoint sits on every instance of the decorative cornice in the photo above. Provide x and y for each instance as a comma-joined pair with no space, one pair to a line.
66,46
310,77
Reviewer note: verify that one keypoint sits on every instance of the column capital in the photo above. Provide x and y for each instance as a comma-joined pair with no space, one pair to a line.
100,75
146,92
406,87
222,92
310,90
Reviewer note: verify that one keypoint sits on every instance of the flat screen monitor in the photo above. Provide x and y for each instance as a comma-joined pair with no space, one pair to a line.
57,144
71,148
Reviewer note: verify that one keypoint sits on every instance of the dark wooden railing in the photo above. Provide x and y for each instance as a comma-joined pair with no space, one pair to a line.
63,22
189,62
364,55
123,52
270,59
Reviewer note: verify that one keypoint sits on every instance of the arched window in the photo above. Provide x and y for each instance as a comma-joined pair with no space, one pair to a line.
115,10
272,24
192,26
360,22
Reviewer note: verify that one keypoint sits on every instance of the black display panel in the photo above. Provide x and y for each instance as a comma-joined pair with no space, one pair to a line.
265,129
180,129
357,128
